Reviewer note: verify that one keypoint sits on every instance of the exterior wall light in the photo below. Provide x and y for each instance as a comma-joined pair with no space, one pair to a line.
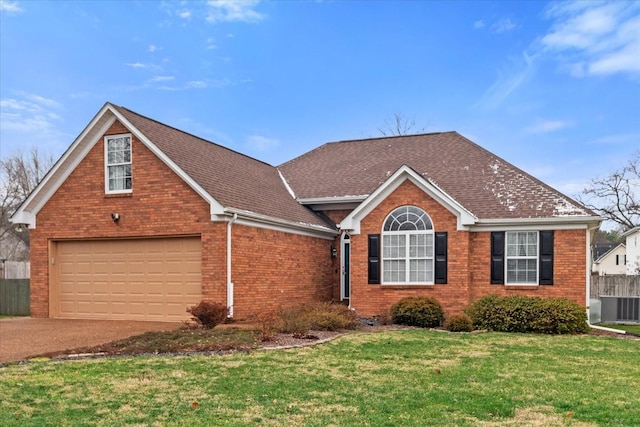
334,252
115,217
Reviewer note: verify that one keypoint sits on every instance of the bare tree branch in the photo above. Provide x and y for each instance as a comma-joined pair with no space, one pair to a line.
617,197
19,176
399,125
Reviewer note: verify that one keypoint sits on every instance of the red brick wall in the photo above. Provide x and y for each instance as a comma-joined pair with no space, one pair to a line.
161,204
273,270
468,262
371,300
569,270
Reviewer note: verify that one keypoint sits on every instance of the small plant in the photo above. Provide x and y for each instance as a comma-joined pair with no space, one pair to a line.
320,316
528,314
208,314
268,323
330,317
459,323
424,312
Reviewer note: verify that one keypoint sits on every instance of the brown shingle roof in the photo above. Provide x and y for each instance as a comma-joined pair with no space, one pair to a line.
483,183
233,179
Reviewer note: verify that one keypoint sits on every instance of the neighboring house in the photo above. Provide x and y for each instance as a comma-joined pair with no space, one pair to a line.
632,237
139,220
613,261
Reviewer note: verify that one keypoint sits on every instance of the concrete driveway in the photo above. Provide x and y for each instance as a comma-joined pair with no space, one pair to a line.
24,337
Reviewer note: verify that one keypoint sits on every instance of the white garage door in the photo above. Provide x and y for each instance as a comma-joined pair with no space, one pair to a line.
142,279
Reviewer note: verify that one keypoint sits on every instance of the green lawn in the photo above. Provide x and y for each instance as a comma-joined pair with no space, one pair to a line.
394,378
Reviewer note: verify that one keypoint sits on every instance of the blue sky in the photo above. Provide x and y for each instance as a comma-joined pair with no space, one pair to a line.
553,88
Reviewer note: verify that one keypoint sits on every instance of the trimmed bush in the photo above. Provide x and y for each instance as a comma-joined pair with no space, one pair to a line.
208,314
424,312
528,314
459,323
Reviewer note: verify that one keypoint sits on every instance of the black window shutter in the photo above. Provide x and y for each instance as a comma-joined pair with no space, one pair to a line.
441,257
546,257
497,257
374,259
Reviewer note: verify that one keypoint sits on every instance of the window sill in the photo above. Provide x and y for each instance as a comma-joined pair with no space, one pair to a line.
408,286
116,195
522,287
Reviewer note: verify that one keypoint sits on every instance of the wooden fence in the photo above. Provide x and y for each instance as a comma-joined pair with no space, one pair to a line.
618,285
15,270
14,297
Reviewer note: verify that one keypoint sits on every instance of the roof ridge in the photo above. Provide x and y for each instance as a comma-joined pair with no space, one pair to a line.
193,135
375,138
362,140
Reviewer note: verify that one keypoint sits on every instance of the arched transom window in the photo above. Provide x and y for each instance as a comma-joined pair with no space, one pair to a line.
407,247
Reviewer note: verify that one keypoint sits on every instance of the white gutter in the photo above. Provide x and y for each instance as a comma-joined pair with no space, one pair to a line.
602,328
229,282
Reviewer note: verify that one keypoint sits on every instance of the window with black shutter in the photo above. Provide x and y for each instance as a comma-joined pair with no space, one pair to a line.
497,258
440,275
374,259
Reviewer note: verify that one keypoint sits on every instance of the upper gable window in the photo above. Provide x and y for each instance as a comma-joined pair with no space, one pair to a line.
407,247
117,163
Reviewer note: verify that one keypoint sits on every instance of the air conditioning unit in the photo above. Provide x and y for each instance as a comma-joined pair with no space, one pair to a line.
620,309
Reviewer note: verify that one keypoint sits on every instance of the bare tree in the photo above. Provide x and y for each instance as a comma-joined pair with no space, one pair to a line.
617,197
19,176
399,125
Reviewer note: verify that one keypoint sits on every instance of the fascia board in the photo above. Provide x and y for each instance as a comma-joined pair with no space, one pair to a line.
553,223
332,200
215,207
268,222
631,231
70,159
352,221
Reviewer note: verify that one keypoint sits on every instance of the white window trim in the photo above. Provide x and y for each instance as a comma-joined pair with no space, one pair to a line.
507,258
407,258
106,163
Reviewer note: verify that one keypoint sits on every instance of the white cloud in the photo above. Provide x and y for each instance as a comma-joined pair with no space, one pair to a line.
478,24
10,6
185,14
620,138
30,120
546,126
136,65
595,38
162,78
519,71
196,84
262,143
233,10
152,48
211,43
503,26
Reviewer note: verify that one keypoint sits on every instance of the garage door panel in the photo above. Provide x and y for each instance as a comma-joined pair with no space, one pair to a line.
144,279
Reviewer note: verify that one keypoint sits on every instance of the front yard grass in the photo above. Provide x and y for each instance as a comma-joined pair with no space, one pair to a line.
405,377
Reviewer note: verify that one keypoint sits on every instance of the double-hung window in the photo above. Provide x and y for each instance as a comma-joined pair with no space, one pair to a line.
522,257
118,163
407,247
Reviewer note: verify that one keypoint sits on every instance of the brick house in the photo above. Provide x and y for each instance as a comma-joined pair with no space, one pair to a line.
138,220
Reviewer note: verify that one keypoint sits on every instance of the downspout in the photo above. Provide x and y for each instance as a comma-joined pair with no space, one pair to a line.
588,293
229,282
